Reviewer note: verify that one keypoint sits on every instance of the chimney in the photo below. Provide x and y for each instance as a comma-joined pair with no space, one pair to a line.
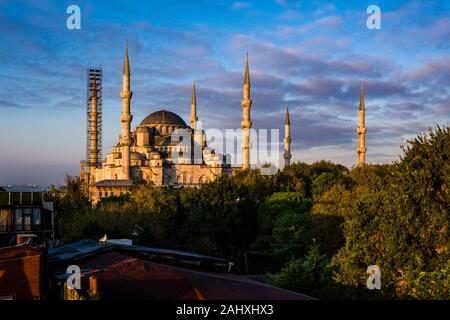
93,286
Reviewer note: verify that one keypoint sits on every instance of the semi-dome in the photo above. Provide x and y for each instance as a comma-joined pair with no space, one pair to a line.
163,117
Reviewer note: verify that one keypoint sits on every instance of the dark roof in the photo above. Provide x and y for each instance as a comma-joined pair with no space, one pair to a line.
1,189
163,117
19,251
85,248
126,275
114,183
127,278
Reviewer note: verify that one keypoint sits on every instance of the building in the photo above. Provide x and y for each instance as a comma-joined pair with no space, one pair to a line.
162,150
24,216
127,272
22,273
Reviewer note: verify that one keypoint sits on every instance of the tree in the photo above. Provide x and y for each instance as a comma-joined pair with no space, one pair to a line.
219,218
282,220
404,225
311,275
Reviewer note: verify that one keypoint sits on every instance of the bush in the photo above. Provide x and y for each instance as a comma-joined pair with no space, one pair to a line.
310,275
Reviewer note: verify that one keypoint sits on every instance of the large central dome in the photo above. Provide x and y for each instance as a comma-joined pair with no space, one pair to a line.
163,117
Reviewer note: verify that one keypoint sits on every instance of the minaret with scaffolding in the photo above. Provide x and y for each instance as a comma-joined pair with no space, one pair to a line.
93,124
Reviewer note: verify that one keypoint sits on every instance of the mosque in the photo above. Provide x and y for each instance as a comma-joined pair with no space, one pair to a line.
163,150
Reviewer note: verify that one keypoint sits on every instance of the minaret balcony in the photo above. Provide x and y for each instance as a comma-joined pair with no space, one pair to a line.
126,117
246,103
126,94
361,130
246,124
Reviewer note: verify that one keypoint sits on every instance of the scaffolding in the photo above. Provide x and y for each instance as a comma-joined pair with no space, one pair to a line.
94,74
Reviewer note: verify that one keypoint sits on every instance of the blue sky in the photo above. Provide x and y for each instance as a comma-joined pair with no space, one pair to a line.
308,54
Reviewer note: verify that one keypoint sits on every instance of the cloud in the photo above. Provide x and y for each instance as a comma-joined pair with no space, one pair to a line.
290,14
240,5
11,104
314,64
288,3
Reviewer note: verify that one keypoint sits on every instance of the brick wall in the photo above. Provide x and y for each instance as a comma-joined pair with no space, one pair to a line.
21,277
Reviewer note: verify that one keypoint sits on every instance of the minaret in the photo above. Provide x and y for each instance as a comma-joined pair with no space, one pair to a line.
126,118
246,123
361,130
93,132
194,109
287,140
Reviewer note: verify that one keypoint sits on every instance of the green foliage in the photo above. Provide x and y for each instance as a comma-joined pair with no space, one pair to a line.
283,221
402,222
395,216
325,172
310,275
426,285
224,212
67,202
280,203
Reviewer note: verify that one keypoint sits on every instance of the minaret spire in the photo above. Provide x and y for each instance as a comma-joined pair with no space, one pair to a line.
126,117
361,130
126,62
287,139
246,123
247,76
287,121
361,97
194,108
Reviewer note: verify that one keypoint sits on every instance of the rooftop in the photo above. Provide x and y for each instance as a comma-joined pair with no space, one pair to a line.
114,183
19,251
137,273
84,248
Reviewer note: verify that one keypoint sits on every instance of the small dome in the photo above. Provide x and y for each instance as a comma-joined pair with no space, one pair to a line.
163,117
